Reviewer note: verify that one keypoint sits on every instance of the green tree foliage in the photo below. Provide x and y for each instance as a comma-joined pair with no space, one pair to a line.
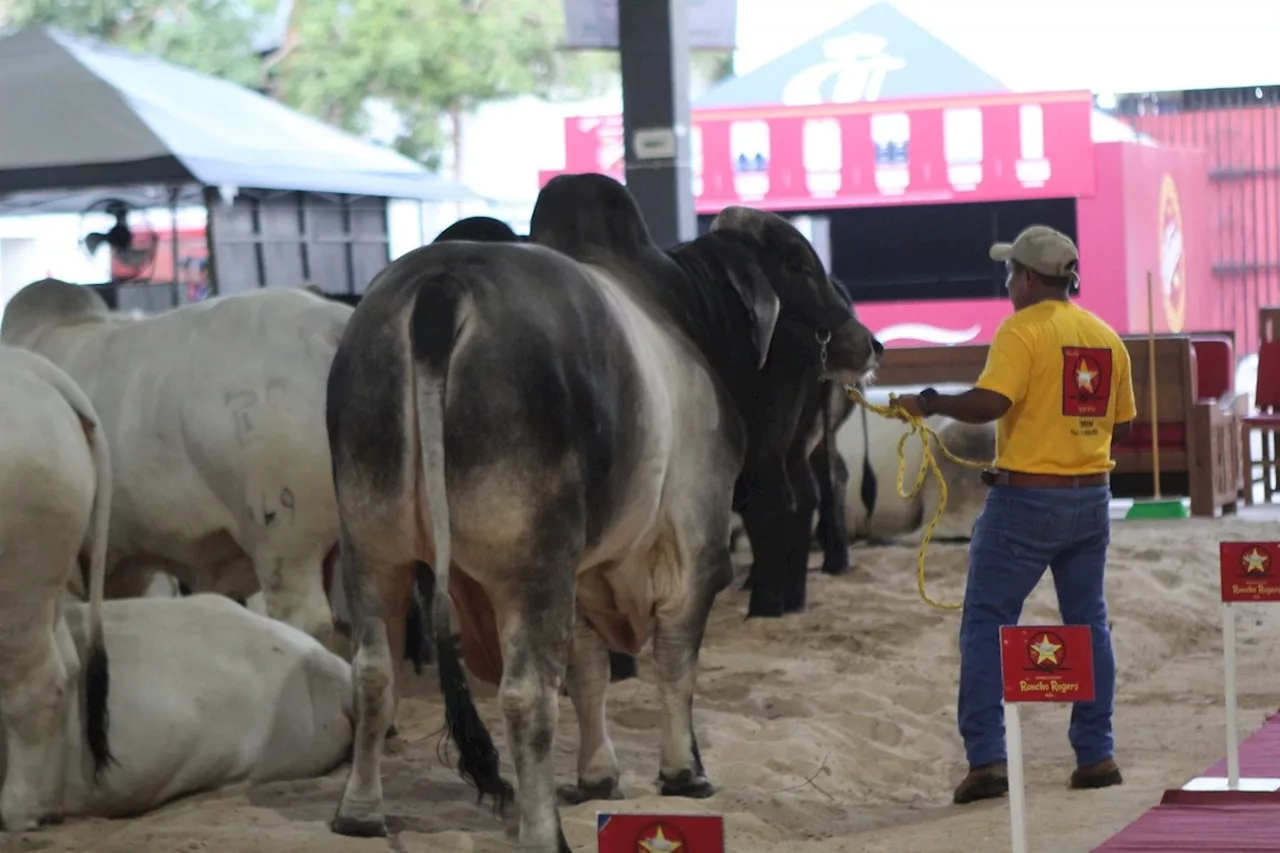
430,59
213,36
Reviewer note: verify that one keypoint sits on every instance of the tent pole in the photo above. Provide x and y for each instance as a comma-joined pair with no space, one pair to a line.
174,299
210,199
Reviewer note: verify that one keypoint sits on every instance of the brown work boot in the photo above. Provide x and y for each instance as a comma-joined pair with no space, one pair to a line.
982,783
1104,774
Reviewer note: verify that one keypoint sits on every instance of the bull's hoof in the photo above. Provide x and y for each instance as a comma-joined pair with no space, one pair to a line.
30,824
359,827
837,567
622,667
770,608
747,584
585,792
770,613
686,784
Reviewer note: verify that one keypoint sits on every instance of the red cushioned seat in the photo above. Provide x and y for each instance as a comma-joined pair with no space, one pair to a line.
1215,366
1168,437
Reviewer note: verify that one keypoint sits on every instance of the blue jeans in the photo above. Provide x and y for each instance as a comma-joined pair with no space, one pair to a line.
1019,534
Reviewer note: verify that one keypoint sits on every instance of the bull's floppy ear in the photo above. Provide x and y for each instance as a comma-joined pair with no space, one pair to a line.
762,304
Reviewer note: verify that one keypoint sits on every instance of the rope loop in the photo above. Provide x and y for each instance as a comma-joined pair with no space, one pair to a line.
928,463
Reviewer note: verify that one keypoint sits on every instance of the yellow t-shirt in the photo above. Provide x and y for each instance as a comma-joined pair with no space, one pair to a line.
1068,375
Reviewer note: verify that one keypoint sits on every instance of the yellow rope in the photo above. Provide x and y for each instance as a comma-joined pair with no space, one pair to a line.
928,462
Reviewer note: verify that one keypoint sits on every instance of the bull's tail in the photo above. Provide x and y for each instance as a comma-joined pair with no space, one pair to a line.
96,674
433,328
869,485
94,671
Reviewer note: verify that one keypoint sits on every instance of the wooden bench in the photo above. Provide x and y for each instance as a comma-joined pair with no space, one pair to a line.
1199,438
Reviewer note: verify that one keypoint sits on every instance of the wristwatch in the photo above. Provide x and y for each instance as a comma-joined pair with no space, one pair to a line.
925,397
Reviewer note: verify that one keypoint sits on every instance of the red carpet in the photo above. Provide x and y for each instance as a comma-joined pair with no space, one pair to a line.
1259,753
1213,822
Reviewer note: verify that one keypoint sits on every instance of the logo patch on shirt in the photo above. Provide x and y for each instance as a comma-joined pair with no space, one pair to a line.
1086,381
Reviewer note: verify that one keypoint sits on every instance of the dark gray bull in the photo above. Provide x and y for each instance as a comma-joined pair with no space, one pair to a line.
776,493
831,475
815,481
594,408
829,470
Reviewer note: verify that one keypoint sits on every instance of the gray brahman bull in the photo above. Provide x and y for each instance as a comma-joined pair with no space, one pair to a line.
776,506
55,505
550,428
214,413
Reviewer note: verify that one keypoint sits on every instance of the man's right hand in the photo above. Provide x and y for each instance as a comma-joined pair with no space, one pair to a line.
909,403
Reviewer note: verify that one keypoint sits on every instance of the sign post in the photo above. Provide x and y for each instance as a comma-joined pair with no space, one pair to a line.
1039,663
1229,685
1248,573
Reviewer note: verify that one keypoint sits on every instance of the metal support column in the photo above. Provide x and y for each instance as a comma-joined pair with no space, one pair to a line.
653,36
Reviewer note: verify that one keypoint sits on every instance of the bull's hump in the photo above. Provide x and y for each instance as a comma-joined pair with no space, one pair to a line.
49,301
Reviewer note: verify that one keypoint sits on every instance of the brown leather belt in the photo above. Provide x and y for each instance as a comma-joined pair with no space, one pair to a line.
1022,480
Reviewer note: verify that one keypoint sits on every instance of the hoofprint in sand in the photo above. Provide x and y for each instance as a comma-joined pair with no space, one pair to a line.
830,731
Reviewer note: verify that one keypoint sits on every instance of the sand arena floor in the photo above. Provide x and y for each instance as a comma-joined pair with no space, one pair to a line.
830,731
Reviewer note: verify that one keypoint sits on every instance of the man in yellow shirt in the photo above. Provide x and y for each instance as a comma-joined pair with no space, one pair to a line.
1057,380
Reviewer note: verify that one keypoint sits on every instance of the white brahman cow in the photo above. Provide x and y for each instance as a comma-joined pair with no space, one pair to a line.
874,511
205,694
55,504
215,415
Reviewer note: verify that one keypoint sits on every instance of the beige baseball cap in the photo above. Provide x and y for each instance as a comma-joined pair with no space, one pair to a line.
1042,249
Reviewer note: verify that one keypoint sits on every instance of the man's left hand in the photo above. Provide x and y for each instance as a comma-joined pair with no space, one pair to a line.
909,403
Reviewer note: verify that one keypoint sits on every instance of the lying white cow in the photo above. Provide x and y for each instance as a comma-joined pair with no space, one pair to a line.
868,442
205,693
55,503
216,417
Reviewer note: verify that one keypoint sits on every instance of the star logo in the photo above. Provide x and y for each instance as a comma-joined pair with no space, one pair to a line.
1047,652
1087,377
660,839
1256,562
1086,381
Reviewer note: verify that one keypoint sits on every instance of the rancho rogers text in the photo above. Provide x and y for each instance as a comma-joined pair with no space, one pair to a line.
1051,685
1263,589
